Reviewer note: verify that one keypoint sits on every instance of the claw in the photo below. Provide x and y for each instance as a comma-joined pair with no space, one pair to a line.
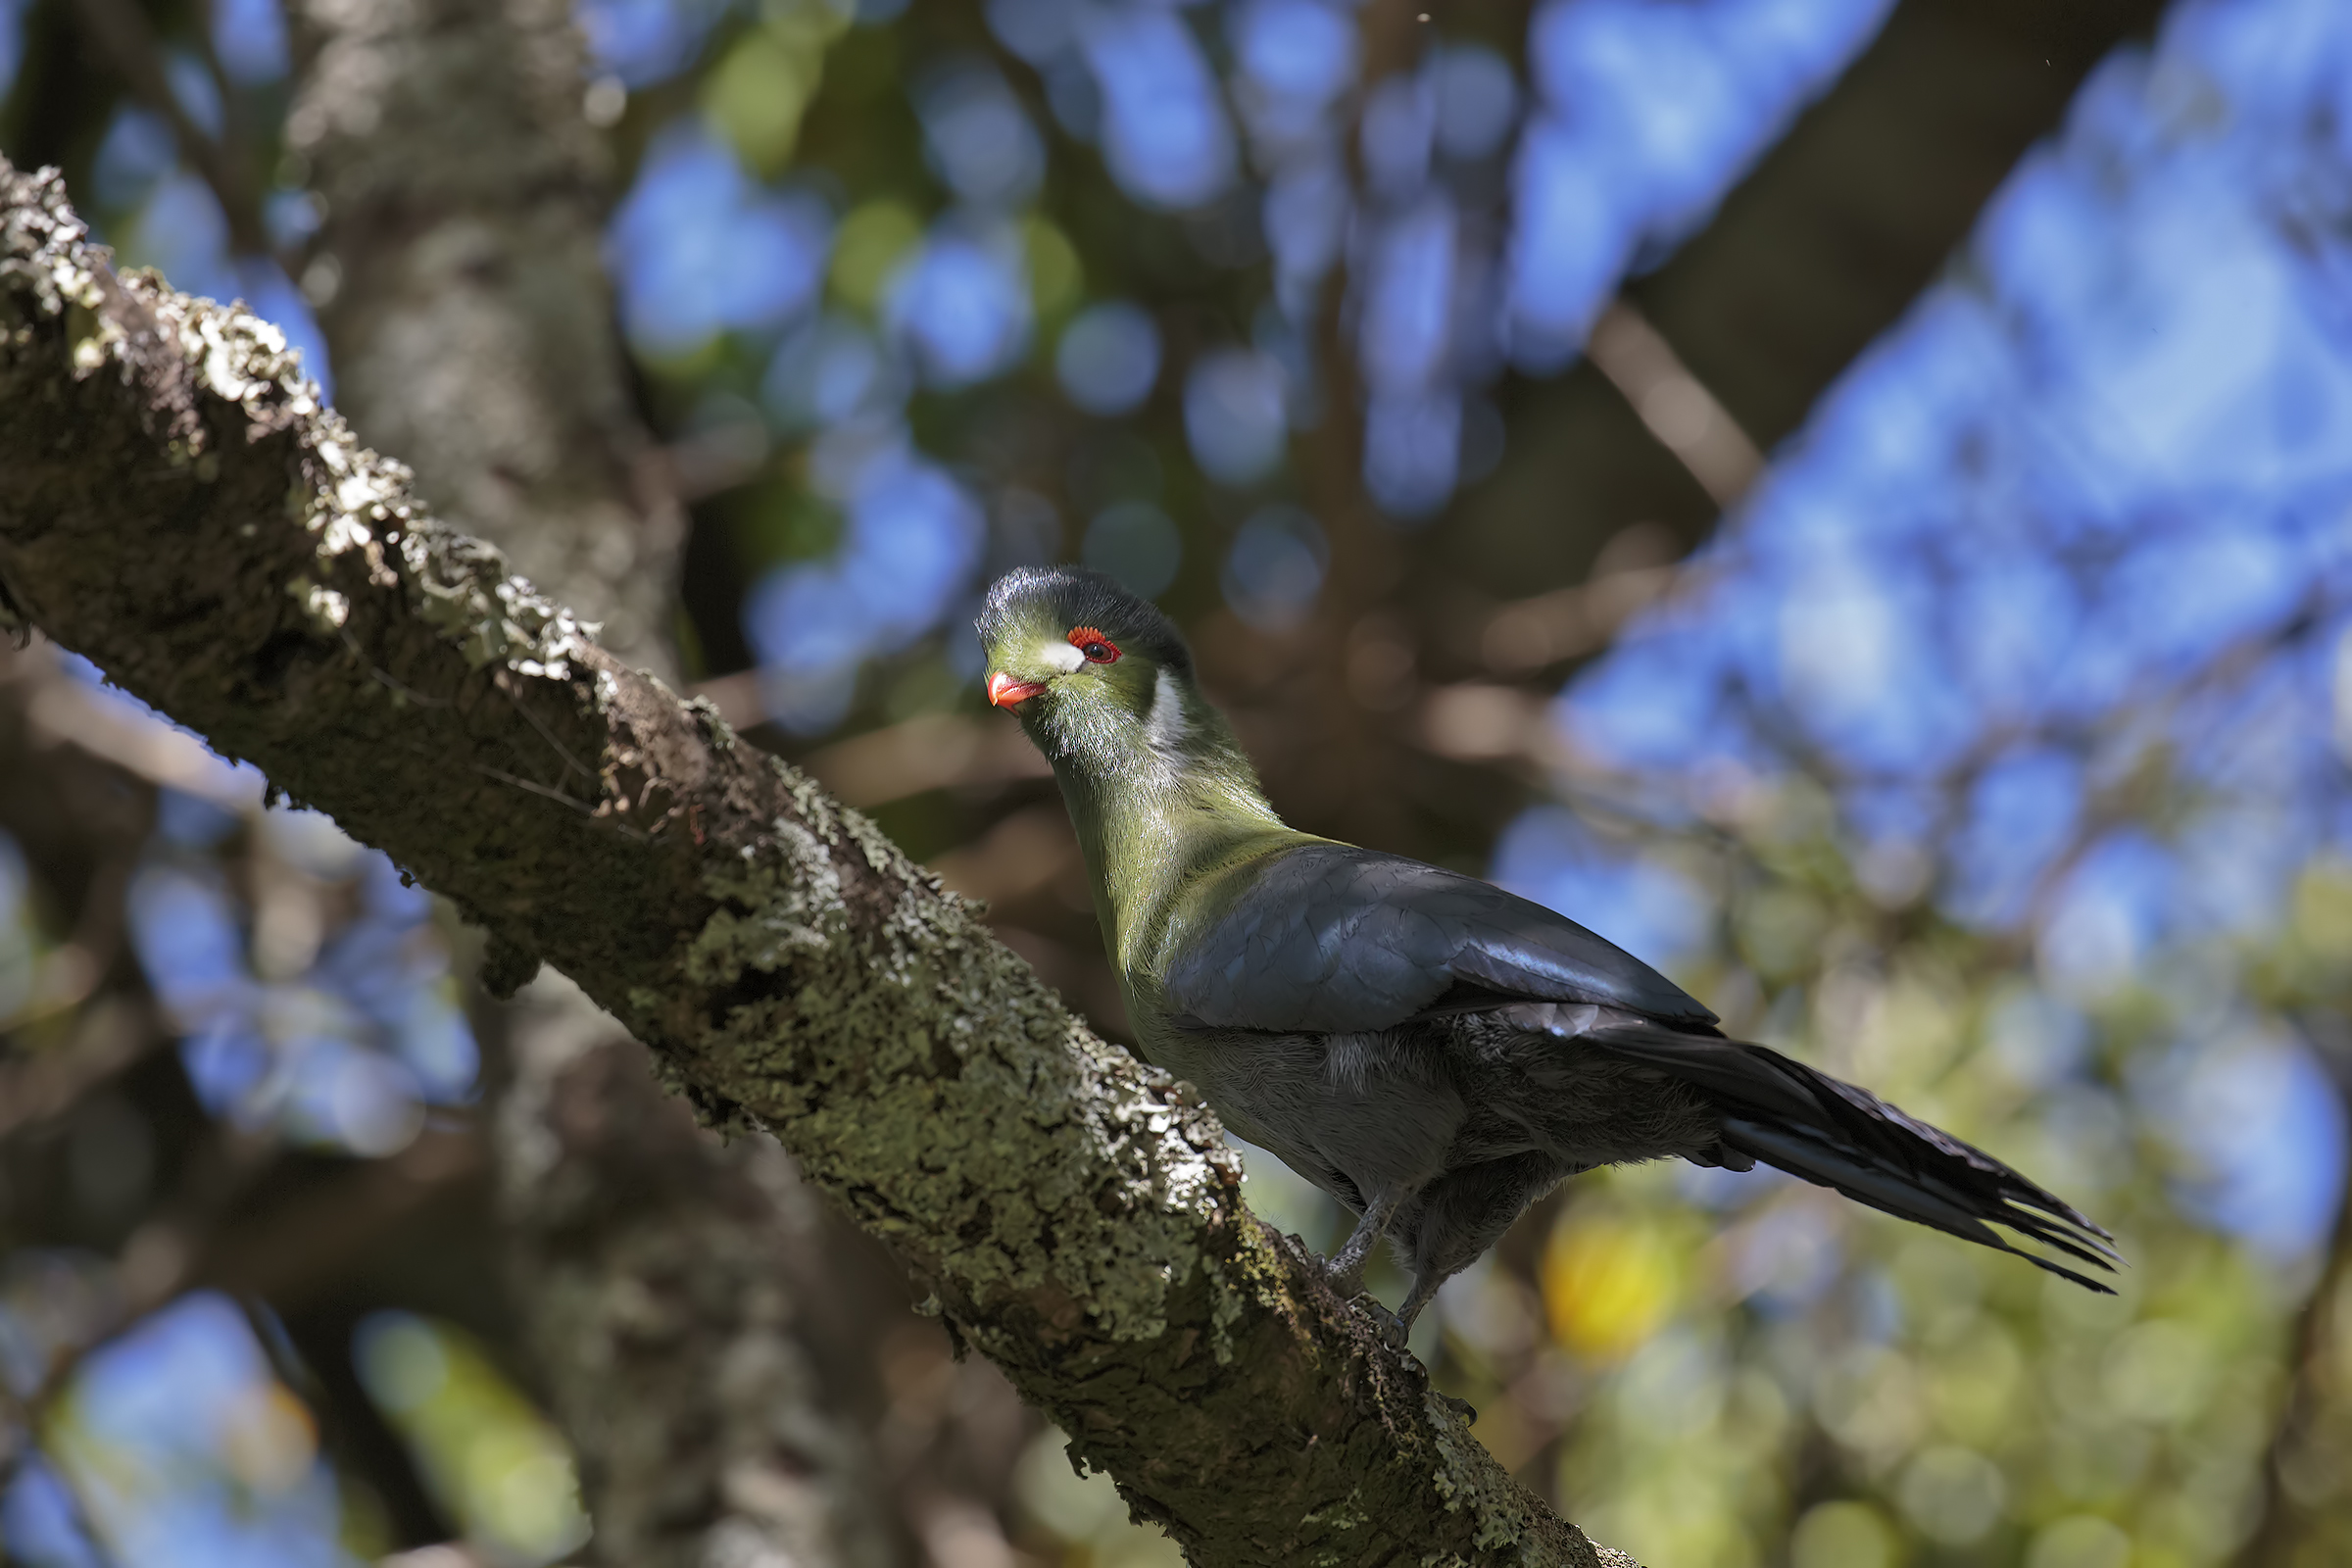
1392,1327
1461,1408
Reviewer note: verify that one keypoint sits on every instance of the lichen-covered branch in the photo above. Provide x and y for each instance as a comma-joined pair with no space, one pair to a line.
175,505
660,1281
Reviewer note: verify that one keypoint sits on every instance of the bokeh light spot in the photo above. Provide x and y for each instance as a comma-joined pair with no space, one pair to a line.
1235,414
962,305
1608,1284
1164,131
976,135
487,1457
1108,357
1841,1535
1274,570
1136,543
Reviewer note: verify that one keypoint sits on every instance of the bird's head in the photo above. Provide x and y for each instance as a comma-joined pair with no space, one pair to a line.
1068,646
1104,684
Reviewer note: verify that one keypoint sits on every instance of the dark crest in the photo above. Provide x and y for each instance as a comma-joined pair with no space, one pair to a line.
1057,598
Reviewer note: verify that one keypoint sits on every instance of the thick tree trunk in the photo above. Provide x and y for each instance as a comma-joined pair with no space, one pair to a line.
655,1273
176,504
469,320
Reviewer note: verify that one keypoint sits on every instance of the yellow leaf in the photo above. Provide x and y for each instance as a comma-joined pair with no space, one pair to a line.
1608,1284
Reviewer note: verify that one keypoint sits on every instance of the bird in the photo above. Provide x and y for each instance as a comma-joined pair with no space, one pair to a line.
1432,1050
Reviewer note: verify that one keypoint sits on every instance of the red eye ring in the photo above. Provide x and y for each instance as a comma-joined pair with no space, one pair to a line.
1098,648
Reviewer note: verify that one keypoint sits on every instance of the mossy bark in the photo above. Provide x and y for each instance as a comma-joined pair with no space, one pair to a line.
175,505
676,1298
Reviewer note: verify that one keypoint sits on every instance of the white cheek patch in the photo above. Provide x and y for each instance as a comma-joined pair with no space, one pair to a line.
1165,723
1061,656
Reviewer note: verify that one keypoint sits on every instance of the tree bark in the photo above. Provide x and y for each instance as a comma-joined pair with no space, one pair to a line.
664,1280
176,503
469,317
655,1273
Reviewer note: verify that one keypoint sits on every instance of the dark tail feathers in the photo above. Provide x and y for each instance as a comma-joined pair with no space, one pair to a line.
1835,1135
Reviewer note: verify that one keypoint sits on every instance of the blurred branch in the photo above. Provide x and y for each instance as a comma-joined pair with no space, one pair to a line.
1634,571
87,1016
1674,404
236,131
932,752
1329,740
1862,203
1814,255
122,32
1017,854
60,711
667,1286
38,1087
1075,1216
876,766
292,1248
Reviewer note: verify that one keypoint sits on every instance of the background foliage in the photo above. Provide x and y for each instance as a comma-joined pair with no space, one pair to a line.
1957,696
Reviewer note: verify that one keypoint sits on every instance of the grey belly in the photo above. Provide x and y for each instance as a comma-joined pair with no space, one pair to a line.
1353,1114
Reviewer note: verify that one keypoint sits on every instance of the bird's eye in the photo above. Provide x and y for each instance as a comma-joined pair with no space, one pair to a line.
1093,645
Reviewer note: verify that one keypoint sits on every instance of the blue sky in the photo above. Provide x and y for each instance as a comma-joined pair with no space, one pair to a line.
2085,500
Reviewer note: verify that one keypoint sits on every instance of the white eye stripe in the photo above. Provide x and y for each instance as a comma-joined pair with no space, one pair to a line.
1061,656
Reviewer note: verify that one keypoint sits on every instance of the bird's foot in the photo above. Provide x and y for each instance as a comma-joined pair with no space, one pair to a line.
1392,1327
1461,1408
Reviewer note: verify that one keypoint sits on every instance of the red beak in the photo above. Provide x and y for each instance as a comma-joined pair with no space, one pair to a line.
1005,692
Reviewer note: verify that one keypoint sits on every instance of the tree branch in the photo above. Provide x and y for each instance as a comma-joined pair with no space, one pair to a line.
123,33
176,504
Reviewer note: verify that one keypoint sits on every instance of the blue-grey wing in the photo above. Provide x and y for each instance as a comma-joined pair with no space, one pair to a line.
1328,938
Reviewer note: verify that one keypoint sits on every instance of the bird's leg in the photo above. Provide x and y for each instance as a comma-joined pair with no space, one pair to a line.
1397,1327
1425,1286
1347,1266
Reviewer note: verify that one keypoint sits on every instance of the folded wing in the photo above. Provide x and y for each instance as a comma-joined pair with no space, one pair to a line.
1330,939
